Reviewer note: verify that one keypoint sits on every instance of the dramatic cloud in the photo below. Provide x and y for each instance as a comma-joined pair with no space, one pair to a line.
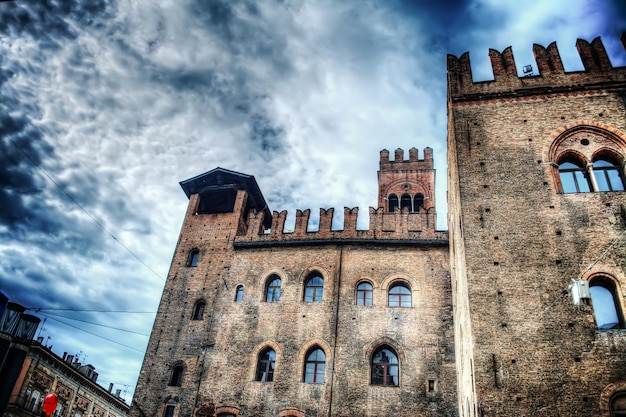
107,105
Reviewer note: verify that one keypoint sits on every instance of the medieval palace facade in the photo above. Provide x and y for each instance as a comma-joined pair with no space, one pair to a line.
516,310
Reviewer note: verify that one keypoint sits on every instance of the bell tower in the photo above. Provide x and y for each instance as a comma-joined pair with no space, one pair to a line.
406,185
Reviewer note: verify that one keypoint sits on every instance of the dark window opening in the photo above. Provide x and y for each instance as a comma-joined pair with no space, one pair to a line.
364,294
393,203
169,411
315,366
177,376
385,367
418,202
198,310
314,289
406,201
266,365
194,255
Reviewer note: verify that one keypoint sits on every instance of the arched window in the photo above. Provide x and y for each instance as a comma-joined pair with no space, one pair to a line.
239,293
315,366
198,310
393,203
266,365
399,295
170,407
608,176
418,201
177,376
573,178
618,404
364,292
406,201
605,303
194,255
385,367
314,289
272,292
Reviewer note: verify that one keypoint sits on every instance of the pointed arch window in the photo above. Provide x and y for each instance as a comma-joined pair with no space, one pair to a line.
574,179
266,365
399,295
364,294
393,202
314,289
239,293
177,376
198,310
315,366
194,256
608,176
272,292
606,307
385,367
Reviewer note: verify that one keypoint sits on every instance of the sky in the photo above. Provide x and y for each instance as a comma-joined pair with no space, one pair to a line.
105,106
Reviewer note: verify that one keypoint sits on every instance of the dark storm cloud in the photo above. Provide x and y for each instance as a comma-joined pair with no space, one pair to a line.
48,20
21,147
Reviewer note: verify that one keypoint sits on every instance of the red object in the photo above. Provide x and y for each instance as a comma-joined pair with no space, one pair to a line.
50,403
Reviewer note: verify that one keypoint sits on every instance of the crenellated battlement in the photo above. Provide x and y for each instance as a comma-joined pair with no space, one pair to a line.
552,78
399,163
400,225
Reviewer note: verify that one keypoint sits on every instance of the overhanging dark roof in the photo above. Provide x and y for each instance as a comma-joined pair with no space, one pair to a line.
220,178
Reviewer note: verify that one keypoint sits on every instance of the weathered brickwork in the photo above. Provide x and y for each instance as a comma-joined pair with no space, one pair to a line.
220,354
491,328
519,241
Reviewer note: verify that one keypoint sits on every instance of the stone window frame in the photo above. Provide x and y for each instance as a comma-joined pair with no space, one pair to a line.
358,292
612,284
272,278
372,364
193,258
609,394
304,351
315,288
399,283
198,310
573,140
255,354
177,374
263,366
170,404
317,373
239,293
226,410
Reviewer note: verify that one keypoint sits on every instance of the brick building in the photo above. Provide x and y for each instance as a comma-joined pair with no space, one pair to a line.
74,383
402,319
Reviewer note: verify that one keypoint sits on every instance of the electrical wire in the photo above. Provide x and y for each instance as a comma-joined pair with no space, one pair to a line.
96,324
96,335
37,309
69,196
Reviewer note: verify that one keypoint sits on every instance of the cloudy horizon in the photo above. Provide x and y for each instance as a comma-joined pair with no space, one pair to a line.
107,105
